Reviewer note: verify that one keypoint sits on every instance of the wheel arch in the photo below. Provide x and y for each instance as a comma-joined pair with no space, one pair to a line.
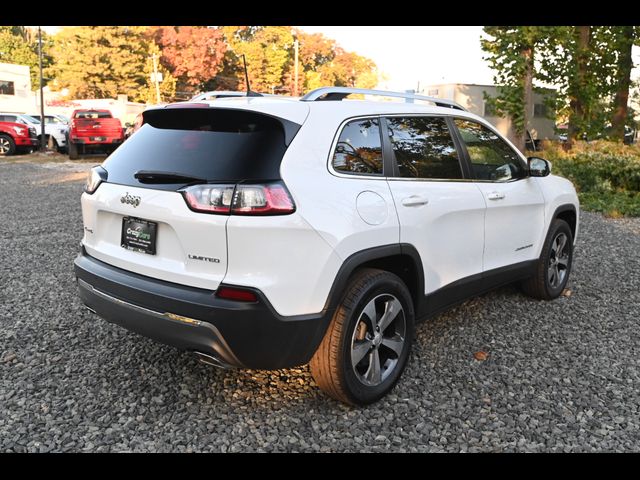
401,259
569,214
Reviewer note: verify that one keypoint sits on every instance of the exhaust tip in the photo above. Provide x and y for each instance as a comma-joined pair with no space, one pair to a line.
211,360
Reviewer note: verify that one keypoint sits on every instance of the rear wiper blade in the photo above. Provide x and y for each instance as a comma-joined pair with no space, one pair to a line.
148,176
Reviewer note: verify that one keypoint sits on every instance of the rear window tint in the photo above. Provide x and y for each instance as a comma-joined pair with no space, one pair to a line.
359,148
92,114
215,144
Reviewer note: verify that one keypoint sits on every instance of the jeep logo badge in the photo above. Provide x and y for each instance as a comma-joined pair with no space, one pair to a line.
130,199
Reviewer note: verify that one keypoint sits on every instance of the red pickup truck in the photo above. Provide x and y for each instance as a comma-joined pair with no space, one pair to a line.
92,130
14,136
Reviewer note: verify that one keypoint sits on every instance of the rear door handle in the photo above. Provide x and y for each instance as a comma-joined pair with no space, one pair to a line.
495,196
414,201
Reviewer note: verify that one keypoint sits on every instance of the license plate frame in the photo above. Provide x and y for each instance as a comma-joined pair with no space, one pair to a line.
144,241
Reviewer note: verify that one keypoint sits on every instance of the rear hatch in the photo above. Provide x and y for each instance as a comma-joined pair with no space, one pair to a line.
104,125
139,218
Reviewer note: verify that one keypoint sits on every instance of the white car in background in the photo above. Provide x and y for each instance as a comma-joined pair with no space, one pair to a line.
56,127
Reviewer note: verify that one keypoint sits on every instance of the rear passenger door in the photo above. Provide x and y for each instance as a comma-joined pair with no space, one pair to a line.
514,223
441,212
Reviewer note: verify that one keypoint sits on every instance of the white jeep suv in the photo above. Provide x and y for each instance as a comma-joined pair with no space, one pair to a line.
271,232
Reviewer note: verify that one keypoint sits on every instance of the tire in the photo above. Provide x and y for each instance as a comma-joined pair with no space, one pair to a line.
7,145
52,144
369,292
73,151
551,275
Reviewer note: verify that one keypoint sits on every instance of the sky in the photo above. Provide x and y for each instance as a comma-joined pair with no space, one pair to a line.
408,55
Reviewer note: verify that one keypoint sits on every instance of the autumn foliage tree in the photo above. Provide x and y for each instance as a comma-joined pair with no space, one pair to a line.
269,52
102,62
193,55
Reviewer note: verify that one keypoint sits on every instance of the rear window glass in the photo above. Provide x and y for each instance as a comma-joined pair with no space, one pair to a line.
92,114
213,144
359,149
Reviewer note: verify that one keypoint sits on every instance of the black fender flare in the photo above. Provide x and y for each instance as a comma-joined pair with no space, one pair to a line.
358,259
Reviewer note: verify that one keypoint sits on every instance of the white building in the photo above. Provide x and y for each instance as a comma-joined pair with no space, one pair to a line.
16,96
471,97
15,88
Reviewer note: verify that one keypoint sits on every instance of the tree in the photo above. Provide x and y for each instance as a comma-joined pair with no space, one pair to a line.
101,61
580,61
167,85
624,38
16,47
270,60
511,54
193,55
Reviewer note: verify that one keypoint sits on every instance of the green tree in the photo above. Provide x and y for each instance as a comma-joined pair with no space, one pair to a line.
580,61
623,39
511,53
101,61
17,45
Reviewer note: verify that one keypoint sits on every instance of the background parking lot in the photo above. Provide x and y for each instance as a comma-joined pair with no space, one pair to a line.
559,376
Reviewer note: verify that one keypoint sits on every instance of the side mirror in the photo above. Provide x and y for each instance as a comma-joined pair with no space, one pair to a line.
538,167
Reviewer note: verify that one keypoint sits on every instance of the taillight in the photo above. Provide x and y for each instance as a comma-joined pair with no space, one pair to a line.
209,198
237,294
241,199
97,175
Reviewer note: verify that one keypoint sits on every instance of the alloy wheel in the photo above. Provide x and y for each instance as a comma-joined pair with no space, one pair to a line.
4,146
378,340
558,260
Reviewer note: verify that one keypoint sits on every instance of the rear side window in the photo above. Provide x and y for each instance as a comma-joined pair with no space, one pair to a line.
93,114
424,148
359,149
218,145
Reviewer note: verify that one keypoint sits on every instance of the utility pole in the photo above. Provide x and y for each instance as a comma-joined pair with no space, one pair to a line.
155,78
295,47
42,145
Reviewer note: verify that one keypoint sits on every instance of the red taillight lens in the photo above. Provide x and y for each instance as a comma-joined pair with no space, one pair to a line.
209,198
238,294
241,199
268,199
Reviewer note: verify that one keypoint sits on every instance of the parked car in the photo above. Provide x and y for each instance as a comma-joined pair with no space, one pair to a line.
630,134
55,135
268,233
52,119
16,136
92,131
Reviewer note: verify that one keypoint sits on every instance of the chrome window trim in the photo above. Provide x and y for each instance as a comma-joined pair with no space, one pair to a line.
332,152
453,115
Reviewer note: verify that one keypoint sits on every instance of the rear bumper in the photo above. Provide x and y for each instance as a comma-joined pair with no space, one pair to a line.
89,141
237,334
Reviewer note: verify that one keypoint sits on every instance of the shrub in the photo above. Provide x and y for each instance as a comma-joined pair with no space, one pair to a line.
606,174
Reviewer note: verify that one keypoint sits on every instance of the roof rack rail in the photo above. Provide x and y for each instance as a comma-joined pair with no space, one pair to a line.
339,93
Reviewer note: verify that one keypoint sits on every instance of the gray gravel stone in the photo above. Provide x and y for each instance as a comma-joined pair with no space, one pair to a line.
560,376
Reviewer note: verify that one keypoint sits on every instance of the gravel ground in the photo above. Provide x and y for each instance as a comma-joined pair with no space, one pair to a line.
560,376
